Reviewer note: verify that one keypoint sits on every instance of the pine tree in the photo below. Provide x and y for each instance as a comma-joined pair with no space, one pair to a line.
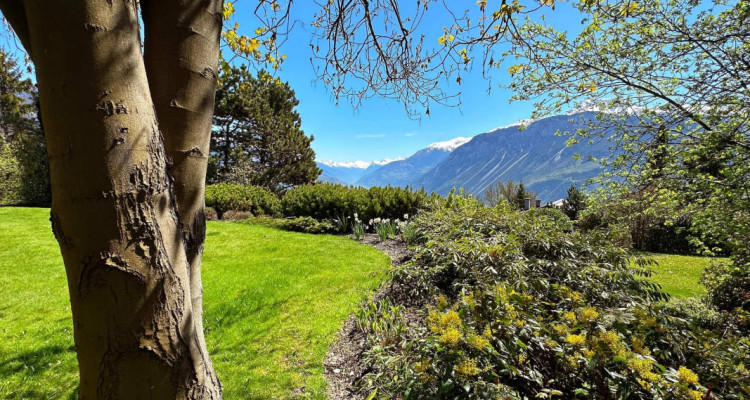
574,203
520,195
259,140
24,168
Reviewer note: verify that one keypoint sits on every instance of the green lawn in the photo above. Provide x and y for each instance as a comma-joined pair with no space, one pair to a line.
274,302
679,275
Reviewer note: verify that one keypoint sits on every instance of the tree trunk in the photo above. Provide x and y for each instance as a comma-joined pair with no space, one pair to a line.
181,55
114,208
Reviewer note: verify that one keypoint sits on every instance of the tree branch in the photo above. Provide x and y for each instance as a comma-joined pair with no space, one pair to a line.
15,12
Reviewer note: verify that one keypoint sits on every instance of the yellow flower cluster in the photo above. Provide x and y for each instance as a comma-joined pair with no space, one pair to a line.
575,340
612,340
644,368
487,333
469,300
447,325
477,342
467,367
569,317
588,314
686,376
450,337
442,302
560,329
638,347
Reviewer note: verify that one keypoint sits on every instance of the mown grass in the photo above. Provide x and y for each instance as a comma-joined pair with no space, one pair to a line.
274,302
680,275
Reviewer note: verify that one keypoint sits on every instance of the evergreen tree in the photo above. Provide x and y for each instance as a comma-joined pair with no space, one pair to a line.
258,138
24,168
574,203
520,195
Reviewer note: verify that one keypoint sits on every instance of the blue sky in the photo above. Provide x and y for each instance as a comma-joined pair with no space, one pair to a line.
381,128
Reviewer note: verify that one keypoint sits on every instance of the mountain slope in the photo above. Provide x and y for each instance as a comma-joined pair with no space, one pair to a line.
404,172
346,173
535,156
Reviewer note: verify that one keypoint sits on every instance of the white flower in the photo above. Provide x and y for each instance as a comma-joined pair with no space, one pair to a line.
406,216
355,215
377,220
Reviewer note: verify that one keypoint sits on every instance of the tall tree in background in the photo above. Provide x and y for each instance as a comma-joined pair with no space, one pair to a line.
574,203
24,169
258,138
521,194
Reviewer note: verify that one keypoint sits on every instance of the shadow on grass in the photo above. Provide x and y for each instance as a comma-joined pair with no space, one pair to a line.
35,362
32,364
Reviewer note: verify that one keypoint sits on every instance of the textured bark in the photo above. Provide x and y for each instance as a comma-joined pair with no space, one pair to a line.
181,52
114,210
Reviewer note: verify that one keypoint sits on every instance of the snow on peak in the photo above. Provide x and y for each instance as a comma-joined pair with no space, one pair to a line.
449,145
358,164
523,122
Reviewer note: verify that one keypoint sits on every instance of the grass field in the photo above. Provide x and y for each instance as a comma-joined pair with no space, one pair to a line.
680,275
274,302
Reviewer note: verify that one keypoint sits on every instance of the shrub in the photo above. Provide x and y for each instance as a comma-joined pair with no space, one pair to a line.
233,215
225,197
308,225
513,306
211,214
329,201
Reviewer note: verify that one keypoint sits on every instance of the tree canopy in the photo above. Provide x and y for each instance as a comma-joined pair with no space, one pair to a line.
257,137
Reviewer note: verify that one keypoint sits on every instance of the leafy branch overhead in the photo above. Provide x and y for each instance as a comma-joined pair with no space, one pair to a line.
367,48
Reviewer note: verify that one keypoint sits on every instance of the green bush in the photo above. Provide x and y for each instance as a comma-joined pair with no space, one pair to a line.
226,197
329,201
308,225
514,306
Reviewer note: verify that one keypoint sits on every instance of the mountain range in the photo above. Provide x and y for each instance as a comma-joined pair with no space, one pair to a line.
535,155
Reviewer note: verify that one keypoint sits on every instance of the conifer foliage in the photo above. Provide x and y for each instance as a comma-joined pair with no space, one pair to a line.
257,139
24,169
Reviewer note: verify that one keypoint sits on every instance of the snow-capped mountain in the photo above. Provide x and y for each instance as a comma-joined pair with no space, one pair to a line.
348,172
535,156
405,172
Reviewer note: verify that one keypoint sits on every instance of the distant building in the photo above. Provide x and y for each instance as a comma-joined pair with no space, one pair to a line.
558,203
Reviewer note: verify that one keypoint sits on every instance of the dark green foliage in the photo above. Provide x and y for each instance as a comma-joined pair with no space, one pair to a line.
225,197
24,168
299,224
728,286
328,201
211,214
307,225
520,196
258,138
512,306
574,203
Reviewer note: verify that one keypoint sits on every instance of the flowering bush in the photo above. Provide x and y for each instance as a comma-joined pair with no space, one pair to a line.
515,306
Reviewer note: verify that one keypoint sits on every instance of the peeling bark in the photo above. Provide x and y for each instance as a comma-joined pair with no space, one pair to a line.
115,204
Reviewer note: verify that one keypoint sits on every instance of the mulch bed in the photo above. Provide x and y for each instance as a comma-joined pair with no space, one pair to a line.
342,365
